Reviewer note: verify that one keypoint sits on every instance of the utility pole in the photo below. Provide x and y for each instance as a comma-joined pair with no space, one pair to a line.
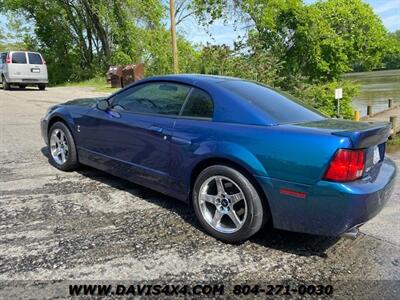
173,36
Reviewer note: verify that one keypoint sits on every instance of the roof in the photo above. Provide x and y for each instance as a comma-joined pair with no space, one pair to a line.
193,78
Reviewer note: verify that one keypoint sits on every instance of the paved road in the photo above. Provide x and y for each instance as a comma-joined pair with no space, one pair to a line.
88,225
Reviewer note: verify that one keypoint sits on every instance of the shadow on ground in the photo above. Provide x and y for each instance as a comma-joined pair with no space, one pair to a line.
26,89
289,242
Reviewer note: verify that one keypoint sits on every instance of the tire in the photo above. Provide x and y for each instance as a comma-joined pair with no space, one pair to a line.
22,86
42,87
248,209
6,85
68,161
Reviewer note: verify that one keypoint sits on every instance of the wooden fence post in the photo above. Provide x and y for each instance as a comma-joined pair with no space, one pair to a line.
394,122
369,110
357,116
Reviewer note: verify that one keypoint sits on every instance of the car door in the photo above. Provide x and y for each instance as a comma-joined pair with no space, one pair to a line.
193,136
132,138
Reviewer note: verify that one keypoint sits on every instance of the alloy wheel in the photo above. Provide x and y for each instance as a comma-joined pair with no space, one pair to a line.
59,146
222,204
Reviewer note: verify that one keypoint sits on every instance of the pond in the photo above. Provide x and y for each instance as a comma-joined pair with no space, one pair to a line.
376,88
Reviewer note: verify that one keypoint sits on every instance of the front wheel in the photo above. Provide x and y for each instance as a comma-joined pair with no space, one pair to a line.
227,204
62,148
42,87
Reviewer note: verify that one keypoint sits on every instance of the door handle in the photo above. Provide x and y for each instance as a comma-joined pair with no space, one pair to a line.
181,141
156,129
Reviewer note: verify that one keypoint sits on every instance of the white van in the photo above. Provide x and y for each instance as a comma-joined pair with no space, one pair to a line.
23,68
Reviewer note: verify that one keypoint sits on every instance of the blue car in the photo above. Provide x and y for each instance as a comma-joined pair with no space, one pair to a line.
241,153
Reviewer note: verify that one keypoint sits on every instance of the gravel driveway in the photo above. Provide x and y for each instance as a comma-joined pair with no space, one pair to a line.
89,225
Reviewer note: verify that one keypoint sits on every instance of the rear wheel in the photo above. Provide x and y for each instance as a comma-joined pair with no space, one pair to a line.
6,85
227,204
63,154
22,86
42,87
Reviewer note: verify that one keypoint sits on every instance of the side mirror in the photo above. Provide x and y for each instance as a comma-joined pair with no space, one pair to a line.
103,105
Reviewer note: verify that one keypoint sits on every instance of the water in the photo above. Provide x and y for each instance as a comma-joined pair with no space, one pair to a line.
376,88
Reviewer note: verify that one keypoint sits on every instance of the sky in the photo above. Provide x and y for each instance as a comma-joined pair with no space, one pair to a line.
388,10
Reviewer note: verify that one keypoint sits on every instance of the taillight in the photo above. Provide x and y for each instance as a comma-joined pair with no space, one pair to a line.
8,58
347,165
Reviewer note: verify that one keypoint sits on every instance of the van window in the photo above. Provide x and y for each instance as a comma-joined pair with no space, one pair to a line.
35,58
18,58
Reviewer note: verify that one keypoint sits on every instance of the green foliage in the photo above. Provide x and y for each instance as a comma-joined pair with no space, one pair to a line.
242,61
357,34
320,41
98,83
80,38
299,48
391,60
119,57
321,97
312,46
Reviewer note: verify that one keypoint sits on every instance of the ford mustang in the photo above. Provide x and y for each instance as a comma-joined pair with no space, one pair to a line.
240,152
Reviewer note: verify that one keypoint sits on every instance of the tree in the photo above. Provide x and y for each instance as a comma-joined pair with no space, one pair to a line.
321,41
80,37
314,45
391,60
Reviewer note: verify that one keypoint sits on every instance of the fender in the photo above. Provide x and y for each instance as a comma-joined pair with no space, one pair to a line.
226,151
63,113
241,156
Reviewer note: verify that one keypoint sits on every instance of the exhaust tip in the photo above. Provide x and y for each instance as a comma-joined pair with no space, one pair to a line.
351,234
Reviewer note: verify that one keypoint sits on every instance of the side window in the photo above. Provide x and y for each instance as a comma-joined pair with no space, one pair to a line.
155,98
35,59
3,58
18,58
198,105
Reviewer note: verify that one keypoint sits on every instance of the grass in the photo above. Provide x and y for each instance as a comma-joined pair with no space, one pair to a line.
394,141
394,144
99,84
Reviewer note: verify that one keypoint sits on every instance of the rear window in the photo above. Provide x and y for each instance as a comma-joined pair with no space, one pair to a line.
18,58
35,58
278,106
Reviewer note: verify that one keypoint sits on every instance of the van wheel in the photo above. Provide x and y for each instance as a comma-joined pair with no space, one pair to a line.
42,87
227,205
6,85
22,86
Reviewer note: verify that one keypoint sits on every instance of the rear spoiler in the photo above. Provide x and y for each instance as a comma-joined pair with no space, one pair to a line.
376,134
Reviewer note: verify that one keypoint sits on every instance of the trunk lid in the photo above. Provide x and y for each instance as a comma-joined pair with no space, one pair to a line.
361,134
371,136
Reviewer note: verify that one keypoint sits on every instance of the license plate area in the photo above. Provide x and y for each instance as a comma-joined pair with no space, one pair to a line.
376,155
35,70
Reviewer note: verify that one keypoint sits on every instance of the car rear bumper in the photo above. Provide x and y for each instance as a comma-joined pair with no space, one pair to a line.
330,208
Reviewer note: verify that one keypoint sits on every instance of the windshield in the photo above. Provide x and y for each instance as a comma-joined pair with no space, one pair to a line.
279,107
